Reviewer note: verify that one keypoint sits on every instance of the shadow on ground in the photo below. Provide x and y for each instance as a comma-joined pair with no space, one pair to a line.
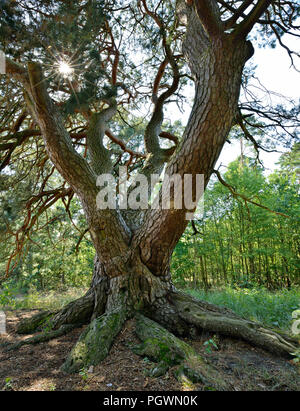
37,367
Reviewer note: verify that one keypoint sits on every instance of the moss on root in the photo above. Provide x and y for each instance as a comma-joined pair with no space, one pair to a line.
95,342
36,323
159,344
167,350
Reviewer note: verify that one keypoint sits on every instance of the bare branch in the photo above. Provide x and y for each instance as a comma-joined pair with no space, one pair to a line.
237,14
21,137
80,239
246,199
69,163
123,145
247,24
153,128
170,137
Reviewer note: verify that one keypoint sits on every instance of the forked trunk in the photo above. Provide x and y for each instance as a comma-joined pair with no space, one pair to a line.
132,271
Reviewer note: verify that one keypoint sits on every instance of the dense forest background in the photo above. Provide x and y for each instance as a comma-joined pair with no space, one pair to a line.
239,243
235,243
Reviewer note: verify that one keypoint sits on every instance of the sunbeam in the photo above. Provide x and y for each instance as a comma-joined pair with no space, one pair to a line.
65,69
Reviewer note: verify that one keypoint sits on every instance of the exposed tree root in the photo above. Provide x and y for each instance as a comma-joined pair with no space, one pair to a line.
95,342
163,347
76,312
35,323
215,319
179,313
43,337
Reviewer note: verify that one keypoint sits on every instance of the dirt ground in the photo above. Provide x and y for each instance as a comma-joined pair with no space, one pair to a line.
37,367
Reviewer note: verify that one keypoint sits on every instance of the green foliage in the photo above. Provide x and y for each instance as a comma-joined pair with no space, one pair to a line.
272,308
50,259
296,354
239,243
48,300
8,384
84,374
7,297
210,345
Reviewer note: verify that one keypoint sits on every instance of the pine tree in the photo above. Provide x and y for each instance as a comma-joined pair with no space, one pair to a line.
75,69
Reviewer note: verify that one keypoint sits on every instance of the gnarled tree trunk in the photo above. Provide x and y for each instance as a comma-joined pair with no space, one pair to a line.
132,267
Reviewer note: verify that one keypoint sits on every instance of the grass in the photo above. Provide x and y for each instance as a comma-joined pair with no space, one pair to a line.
51,300
271,308
258,304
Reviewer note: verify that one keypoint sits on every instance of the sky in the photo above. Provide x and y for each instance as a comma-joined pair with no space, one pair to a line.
273,68
274,71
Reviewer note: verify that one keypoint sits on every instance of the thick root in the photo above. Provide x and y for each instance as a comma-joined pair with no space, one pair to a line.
35,323
215,319
43,337
95,342
77,312
163,347
179,313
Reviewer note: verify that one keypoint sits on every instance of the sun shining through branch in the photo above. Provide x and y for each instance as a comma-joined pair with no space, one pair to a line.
65,69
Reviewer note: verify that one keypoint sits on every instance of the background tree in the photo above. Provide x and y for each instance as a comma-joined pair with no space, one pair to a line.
239,243
85,83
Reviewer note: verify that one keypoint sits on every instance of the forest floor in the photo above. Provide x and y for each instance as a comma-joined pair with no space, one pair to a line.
37,367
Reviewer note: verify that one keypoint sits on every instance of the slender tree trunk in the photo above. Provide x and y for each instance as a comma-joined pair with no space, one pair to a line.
203,273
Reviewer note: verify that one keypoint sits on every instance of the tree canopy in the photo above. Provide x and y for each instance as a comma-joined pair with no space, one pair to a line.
124,60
